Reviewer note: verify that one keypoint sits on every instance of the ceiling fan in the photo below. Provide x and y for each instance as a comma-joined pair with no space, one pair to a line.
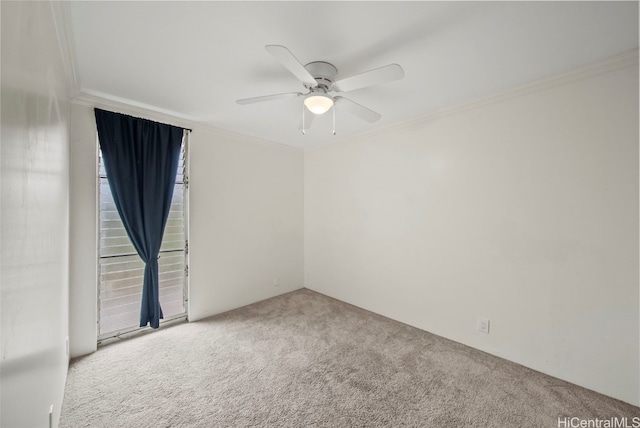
319,78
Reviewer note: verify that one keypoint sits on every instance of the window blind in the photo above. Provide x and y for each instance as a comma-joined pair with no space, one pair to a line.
121,269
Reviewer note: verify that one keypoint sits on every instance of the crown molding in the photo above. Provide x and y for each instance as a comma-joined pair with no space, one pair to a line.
132,108
125,106
96,99
64,31
228,134
616,62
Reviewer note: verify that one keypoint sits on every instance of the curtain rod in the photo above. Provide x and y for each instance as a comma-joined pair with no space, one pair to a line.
144,118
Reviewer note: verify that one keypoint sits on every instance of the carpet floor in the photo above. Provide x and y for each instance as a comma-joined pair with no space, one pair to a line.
305,360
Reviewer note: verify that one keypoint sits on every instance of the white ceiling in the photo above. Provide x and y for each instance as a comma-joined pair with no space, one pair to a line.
194,59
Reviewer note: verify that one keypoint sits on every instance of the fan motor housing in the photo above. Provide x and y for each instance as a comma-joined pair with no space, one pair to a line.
324,73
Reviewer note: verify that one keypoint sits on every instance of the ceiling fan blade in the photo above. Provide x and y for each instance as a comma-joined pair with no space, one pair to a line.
356,109
385,74
292,64
268,98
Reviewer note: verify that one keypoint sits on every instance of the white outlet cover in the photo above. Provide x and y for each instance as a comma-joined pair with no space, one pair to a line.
483,325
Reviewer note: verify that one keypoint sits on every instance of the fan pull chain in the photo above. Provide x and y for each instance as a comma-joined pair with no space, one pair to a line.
334,119
303,132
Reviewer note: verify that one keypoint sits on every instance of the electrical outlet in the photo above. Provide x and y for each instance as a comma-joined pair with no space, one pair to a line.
276,281
483,325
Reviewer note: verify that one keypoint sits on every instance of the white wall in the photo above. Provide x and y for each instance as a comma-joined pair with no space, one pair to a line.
246,228
83,245
246,220
523,210
34,217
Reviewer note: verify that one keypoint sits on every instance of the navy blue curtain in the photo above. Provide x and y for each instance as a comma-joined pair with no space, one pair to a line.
141,159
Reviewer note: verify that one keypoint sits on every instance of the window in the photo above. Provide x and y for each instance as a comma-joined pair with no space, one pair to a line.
121,270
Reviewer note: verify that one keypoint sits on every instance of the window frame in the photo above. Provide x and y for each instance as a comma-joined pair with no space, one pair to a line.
130,331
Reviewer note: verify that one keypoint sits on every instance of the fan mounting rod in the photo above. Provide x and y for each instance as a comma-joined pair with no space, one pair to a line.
324,73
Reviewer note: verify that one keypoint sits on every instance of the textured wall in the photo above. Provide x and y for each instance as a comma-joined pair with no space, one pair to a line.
245,228
523,210
34,217
246,221
83,244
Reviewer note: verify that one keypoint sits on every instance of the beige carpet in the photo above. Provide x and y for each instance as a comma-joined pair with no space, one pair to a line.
306,360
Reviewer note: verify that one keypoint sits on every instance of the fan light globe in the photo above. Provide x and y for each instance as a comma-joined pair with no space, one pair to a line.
318,103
